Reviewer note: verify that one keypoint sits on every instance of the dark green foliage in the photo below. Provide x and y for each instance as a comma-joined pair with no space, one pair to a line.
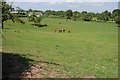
75,15
6,15
87,17
106,15
69,14
35,19
30,10
116,12
117,20
84,15
57,14
68,18
31,18
38,19
84,12
6,9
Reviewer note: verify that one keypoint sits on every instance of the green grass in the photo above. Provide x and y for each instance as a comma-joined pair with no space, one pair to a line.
90,49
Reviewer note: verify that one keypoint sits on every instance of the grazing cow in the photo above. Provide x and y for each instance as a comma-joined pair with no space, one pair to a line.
64,30
55,30
69,31
60,31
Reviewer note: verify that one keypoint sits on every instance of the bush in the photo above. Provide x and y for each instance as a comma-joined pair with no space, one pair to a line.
117,20
35,19
86,19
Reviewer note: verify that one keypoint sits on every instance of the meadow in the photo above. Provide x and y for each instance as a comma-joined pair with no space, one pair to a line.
90,49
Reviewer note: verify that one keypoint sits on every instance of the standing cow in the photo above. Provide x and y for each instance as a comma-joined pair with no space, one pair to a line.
60,30
69,31
63,30
55,30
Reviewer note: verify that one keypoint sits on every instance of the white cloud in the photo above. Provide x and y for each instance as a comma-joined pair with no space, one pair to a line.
70,1
96,0
97,4
63,1
25,1
72,6
55,2
51,2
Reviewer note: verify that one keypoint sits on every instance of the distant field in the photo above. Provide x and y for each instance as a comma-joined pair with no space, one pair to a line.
90,49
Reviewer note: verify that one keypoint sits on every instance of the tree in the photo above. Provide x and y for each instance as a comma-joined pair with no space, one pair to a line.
115,12
106,15
35,19
19,10
30,10
75,15
99,16
6,15
117,20
69,14
84,12
87,18
60,13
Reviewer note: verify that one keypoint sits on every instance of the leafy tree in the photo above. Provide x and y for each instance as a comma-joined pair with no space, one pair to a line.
18,9
35,19
87,18
115,13
48,12
6,15
30,10
117,20
75,15
60,13
105,15
98,16
84,12
69,14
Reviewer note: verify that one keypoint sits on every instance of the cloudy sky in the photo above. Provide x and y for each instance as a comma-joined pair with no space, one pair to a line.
75,5
64,0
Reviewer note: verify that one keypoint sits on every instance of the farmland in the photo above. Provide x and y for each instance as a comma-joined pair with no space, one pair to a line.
90,49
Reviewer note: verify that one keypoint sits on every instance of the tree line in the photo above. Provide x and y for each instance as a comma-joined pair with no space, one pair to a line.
105,16
68,14
86,16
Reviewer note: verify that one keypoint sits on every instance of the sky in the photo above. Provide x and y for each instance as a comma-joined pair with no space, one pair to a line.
63,0
96,6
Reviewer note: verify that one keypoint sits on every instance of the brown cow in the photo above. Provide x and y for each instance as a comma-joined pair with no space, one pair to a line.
60,30
55,30
64,30
69,31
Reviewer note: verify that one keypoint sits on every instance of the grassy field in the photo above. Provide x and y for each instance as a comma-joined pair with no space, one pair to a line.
90,49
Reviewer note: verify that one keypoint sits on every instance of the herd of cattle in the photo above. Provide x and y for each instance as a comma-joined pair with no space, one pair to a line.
62,31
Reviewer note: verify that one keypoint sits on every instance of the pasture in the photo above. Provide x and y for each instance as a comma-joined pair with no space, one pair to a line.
90,49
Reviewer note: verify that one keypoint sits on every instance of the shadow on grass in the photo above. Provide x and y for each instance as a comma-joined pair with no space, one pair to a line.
6,28
37,25
13,65
118,26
